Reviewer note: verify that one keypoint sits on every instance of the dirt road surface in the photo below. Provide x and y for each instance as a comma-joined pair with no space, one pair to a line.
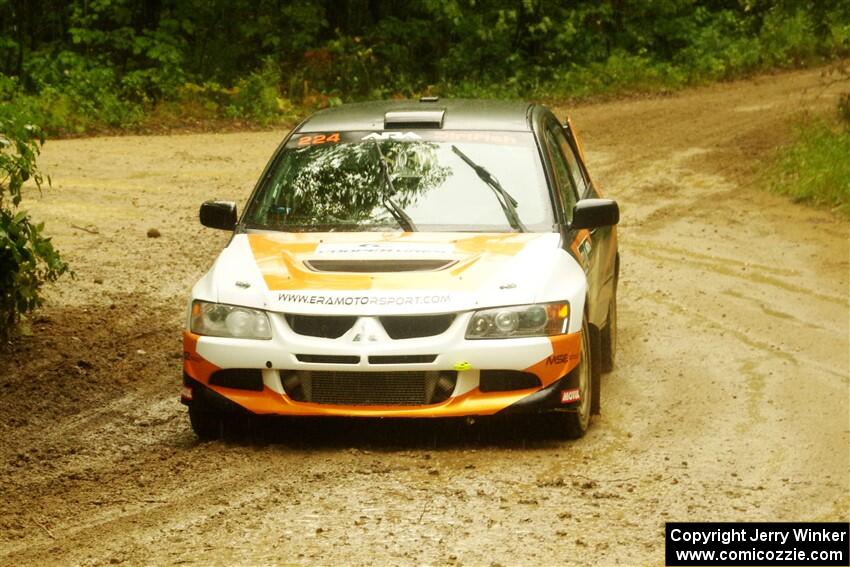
729,402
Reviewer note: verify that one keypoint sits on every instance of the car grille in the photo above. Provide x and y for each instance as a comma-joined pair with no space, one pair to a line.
396,326
328,358
414,326
328,327
370,388
403,359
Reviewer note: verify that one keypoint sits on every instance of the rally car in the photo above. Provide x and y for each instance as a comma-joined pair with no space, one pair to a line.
410,259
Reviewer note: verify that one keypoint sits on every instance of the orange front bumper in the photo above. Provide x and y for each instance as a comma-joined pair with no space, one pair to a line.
565,356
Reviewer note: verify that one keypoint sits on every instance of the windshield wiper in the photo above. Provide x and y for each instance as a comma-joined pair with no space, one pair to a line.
507,202
402,218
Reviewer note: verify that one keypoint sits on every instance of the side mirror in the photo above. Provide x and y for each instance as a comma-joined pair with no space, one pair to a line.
595,213
219,214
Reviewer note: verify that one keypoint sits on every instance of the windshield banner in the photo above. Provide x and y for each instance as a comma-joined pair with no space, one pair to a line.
469,136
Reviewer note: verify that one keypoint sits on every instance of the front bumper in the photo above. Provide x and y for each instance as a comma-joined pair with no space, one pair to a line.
551,359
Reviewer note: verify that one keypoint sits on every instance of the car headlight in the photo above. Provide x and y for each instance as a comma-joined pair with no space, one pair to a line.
537,320
220,320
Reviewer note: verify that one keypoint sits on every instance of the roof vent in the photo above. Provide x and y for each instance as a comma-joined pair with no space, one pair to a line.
412,119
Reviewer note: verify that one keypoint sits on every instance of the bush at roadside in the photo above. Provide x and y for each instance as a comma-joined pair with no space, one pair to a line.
816,167
27,257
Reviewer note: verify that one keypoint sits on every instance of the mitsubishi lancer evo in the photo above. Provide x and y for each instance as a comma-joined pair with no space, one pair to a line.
410,259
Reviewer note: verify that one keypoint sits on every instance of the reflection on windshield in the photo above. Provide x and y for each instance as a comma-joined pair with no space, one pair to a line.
395,210
340,186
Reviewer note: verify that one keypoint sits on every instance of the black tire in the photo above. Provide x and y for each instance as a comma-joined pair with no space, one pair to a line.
574,424
207,425
608,336
595,371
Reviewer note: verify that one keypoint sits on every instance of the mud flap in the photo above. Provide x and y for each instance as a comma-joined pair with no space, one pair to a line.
547,399
571,380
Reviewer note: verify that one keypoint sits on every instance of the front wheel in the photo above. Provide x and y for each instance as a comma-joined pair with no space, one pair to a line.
573,424
608,336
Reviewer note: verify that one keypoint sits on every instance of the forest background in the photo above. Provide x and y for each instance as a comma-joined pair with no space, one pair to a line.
80,66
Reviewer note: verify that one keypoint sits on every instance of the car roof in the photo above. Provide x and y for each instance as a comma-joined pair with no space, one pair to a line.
457,114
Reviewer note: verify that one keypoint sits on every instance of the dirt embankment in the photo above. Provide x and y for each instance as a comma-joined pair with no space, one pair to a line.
730,400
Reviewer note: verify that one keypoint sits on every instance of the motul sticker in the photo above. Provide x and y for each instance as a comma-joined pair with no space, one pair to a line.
569,396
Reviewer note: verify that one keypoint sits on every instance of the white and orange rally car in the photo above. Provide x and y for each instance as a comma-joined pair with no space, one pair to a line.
410,259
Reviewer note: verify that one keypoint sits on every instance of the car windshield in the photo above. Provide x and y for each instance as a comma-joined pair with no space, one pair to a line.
434,180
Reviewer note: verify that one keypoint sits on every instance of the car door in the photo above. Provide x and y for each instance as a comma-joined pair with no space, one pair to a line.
603,241
590,248
571,186
565,185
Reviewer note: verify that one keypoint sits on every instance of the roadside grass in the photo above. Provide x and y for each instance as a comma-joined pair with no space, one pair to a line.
815,168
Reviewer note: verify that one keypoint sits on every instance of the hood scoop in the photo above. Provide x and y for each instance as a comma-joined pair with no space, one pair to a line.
371,265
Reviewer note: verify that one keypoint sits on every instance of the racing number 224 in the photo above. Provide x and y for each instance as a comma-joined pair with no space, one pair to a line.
318,139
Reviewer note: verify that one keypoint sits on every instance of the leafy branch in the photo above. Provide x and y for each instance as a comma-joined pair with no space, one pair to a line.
27,257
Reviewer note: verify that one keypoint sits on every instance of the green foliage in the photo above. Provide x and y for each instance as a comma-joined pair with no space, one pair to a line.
27,257
815,167
786,38
72,94
257,96
81,65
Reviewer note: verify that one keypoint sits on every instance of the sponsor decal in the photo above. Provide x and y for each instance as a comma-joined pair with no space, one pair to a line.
411,248
319,139
453,136
351,300
570,396
391,136
561,358
461,366
480,137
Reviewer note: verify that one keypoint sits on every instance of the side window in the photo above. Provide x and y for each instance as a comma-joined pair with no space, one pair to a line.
575,168
561,168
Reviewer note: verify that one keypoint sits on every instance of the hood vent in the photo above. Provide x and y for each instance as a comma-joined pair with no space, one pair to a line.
377,266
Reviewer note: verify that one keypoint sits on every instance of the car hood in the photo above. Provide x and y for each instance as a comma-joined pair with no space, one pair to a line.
379,273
